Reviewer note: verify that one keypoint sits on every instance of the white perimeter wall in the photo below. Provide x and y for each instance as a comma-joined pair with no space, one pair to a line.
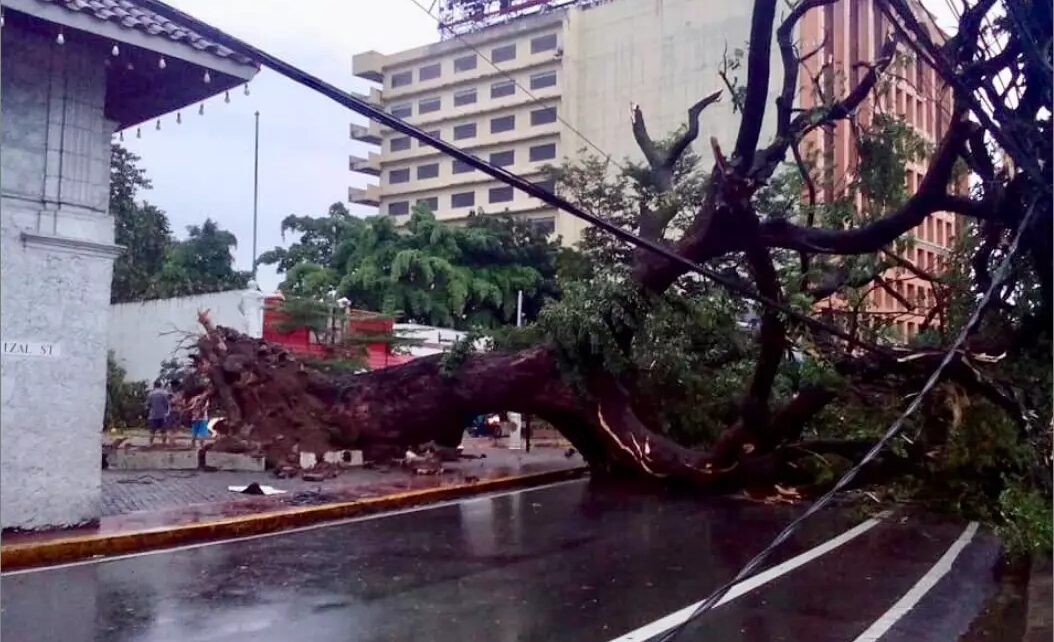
142,335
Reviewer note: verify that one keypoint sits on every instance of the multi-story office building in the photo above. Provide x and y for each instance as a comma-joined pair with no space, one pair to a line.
524,83
529,89
856,32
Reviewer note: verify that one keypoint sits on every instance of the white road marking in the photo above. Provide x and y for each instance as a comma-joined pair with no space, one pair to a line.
290,531
676,618
910,599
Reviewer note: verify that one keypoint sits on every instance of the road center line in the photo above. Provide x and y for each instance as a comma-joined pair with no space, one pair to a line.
910,599
290,531
676,618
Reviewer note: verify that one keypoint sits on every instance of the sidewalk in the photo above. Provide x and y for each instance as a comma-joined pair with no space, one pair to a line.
143,510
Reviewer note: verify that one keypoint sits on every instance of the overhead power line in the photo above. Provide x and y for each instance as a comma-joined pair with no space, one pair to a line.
754,565
364,108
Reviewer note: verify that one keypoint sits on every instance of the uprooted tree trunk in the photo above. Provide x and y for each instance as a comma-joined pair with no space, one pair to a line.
274,400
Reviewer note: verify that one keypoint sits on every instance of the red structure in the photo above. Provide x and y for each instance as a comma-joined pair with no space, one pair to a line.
302,341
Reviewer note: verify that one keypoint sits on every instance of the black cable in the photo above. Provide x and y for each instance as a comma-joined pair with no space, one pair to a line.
368,110
364,108
894,429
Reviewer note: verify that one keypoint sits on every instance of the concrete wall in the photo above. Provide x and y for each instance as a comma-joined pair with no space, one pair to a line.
56,258
142,335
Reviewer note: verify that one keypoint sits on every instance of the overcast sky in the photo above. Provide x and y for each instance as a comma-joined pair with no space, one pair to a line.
204,166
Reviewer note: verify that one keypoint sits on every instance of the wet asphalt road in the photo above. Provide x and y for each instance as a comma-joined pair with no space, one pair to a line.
572,562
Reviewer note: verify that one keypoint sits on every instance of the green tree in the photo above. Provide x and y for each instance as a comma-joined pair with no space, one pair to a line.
140,228
662,380
154,264
456,276
201,263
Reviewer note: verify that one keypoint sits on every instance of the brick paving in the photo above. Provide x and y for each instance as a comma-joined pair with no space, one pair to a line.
126,492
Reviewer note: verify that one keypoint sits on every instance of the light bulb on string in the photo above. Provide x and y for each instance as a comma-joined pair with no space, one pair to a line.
208,77
227,97
201,110
116,51
120,136
60,39
158,128
179,118
161,64
138,132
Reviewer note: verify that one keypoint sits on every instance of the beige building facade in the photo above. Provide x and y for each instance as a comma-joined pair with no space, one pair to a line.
540,88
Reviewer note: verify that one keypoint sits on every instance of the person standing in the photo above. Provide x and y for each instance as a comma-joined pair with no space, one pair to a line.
158,405
199,425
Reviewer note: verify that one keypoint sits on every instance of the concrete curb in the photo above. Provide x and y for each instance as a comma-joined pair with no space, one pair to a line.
78,548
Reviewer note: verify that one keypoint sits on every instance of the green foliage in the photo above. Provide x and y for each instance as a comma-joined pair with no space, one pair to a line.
154,263
458,353
431,272
125,400
619,193
1025,521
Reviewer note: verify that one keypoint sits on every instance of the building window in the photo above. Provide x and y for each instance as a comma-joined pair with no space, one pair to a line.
544,225
500,194
399,208
465,63
461,132
502,124
430,170
434,134
543,80
502,89
460,167
399,144
503,159
428,105
543,116
402,79
543,152
464,97
396,176
428,72
464,199
431,204
543,43
402,111
503,53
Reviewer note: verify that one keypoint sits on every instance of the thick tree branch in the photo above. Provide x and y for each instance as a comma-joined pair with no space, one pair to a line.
931,197
653,223
758,60
790,131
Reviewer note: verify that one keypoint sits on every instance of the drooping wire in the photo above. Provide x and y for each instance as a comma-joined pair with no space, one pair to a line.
894,429
364,108
510,77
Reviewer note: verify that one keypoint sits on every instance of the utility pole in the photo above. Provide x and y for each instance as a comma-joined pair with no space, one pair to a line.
256,186
516,438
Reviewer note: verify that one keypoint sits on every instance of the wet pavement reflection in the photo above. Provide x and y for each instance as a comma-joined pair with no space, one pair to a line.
571,562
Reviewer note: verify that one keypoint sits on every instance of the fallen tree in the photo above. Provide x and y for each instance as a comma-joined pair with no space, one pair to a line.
589,369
